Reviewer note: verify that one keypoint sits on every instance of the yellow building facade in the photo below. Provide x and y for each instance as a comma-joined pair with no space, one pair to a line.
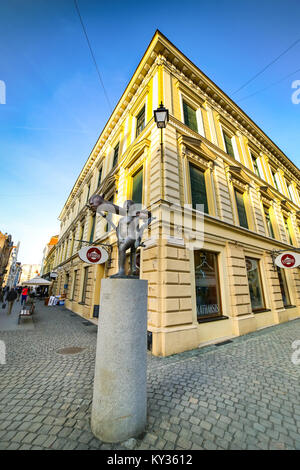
208,281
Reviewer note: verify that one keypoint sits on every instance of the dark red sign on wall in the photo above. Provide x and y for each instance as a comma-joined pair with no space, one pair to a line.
93,255
288,260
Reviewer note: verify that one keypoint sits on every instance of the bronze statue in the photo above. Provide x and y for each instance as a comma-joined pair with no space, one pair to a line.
128,230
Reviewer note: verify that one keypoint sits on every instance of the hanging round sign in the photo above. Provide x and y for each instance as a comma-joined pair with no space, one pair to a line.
93,254
288,259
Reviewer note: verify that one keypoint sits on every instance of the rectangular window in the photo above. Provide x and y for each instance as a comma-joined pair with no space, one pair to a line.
99,177
93,228
275,179
88,193
74,284
72,243
255,286
255,165
85,280
109,217
269,223
140,121
290,191
283,287
66,286
241,209
228,145
81,236
198,188
137,187
189,115
287,229
208,300
116,154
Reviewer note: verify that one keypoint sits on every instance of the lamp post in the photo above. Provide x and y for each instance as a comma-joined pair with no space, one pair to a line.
161,117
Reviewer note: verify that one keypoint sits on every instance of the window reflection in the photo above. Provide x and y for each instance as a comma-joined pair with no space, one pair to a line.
255,287
207,285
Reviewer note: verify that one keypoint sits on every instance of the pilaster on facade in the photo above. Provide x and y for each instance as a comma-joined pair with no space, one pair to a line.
223,199
258,211
242,317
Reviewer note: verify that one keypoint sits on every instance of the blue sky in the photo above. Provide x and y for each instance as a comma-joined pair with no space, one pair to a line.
55,107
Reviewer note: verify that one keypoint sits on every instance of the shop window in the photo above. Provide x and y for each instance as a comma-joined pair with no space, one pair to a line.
208,300
240,204
140,121
189,116
255,285
137,187
66,285
74,284
85,280
198,188
116,154
283,287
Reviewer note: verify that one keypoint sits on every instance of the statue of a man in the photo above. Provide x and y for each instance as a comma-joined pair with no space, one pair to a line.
128,230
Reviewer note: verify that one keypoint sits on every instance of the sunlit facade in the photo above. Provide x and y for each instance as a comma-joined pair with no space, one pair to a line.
214,155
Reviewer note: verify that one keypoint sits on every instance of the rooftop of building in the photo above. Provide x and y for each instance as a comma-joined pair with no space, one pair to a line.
161,45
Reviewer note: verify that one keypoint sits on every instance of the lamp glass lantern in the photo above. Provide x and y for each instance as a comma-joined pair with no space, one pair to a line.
161,116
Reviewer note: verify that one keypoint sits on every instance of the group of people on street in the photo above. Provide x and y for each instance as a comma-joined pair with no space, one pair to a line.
10,295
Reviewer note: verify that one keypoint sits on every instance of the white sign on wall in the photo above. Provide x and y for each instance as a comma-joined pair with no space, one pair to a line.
287,260
93,254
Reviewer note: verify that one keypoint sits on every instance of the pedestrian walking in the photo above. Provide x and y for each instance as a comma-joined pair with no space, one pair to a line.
19,290
11,297
24,295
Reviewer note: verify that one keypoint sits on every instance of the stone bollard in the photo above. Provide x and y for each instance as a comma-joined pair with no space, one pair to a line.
119,409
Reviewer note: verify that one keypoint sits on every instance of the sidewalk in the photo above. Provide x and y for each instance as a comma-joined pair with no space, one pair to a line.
10,322
240,395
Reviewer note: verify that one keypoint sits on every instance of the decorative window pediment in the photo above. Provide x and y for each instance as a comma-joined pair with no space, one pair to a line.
135,152
192,98
269,193
226,125
196,150
238,177
109,185
287,207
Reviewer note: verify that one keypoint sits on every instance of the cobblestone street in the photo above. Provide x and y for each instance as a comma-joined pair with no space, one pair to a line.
239,395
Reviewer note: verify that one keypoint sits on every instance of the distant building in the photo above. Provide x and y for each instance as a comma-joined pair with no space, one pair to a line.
13,270
6,246
29,271
48,257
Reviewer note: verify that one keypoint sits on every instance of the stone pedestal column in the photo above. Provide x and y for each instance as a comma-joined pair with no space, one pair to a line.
119,407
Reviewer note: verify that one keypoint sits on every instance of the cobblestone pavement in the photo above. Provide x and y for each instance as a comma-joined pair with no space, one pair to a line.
240,395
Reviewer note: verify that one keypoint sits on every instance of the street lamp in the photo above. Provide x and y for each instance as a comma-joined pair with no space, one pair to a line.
161,117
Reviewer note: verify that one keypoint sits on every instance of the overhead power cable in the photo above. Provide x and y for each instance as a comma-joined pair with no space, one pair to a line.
266,67
269,86
92,54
